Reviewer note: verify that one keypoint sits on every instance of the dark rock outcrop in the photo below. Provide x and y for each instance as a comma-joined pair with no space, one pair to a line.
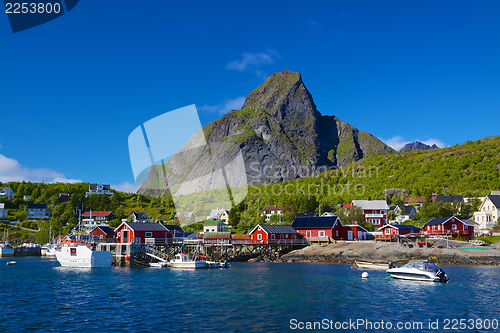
417,145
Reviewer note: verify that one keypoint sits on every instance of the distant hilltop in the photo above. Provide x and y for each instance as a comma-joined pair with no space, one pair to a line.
417,145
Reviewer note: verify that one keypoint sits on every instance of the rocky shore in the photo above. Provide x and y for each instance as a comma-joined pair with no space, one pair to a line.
349,252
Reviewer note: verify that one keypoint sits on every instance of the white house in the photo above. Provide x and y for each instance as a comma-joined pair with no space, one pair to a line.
272,210
214,226
99,189
3,212
138,217
376,211
37,211
6,192
488,213
219,214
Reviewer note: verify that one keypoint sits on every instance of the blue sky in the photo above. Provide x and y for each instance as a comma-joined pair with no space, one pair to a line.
73,89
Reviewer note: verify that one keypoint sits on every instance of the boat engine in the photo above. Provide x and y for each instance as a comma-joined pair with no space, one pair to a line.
391,265
442,276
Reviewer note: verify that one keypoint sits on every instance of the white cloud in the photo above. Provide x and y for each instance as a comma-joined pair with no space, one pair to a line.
224,107
254,60
126,187
397,142
436,142
12,170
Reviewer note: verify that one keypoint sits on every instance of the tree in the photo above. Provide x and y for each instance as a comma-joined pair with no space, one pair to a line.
234,218
392,215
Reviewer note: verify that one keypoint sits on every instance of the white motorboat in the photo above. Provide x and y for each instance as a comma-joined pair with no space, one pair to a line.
418,270
159,264
370,265
6,250
77,254
182,260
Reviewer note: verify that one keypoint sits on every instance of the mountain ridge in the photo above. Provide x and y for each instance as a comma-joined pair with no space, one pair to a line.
281,136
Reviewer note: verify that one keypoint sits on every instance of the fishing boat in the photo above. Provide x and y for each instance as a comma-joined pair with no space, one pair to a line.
418,270
371,265
182,260
6,250
80,254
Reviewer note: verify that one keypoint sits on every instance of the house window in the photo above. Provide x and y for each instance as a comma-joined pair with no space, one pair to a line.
149,234
337,233
387,231
382,212
259,236
321,234
466,227
286,236
454,226
272,236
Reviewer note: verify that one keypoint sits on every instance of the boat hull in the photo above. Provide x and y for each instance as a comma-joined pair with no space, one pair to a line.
188,265
414,276
6,252
83,257
370,265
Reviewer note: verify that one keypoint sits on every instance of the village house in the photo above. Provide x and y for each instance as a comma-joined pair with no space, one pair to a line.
392,231
375,211
92,219
26,197
99,189
98,217
138,217
214,226
447,226
219,214
488,213
327,228
6,192
3,212
140,232
175,230
274,234
272,210
37,211
65,197
416,201
404,213
105,233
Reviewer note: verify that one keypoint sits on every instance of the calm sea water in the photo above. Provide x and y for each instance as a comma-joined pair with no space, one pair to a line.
38,295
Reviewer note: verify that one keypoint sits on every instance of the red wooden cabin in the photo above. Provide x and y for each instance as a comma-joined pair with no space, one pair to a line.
448,226
137,232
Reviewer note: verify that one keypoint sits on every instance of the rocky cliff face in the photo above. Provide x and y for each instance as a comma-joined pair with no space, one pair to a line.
417,145
280,136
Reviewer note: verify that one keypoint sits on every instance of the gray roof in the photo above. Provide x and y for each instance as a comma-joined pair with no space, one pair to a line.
145,226
306,214
172,228
440,220
371,204
106,230
408,209
37,206
314,222
449,198
402,226
495,199
278,229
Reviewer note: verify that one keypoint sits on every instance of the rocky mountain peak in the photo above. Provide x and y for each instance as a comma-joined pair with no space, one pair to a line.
417,145
283,96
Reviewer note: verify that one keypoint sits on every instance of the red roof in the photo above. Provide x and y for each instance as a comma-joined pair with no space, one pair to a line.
96,213
347,205
417,200
272,208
